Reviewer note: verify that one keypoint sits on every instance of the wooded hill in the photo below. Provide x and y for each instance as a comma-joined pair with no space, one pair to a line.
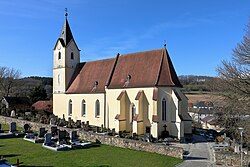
29,86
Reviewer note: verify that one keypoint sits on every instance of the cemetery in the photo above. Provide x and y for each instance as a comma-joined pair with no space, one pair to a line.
95,134
29,154
12,132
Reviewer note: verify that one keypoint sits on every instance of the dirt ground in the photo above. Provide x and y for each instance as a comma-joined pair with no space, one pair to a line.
194,98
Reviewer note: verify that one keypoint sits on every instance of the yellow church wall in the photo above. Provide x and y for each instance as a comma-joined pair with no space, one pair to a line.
187,125
61,103
174,109
146,107
166,93
125,106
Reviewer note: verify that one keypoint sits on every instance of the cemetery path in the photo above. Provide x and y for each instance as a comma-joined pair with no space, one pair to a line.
200,155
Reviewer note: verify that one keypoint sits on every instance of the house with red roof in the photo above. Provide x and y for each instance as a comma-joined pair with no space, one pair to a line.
44,106
136,92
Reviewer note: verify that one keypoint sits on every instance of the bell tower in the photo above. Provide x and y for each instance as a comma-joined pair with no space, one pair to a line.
66,57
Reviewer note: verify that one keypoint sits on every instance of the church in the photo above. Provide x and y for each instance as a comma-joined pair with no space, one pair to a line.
136,92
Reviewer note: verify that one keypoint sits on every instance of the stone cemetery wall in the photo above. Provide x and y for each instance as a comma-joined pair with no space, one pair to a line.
104,139
230,159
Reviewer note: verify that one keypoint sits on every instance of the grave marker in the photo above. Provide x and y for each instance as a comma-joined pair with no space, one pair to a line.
54,130
42,132
47,140
78,123
62,136
12,126
73,136
26,128
101,128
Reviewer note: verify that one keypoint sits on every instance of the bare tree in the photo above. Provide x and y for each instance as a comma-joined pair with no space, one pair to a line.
7,79
235,86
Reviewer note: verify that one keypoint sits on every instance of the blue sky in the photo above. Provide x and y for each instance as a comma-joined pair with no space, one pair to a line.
198,33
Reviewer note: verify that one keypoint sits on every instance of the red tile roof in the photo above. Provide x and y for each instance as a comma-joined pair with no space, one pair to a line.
145,69
141,69
43,105
92,77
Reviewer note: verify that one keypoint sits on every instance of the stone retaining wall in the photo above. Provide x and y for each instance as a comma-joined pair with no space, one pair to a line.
104,139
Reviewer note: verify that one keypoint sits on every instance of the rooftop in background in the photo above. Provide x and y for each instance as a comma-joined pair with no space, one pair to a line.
43,105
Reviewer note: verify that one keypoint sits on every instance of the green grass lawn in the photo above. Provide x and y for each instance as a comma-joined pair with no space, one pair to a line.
30,154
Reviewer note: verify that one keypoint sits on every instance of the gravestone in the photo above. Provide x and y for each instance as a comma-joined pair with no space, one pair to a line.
47,140
12,126
237,148
83,125
69,119
26,128
78,123
62,122
73,136
113,132
164,133
62,136
42,132
147,137
13,113
86,126
101,130
96,129
134,136
52,121
54,130
1,131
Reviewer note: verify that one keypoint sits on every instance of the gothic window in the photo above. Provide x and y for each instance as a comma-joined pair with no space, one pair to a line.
164,109
72,55
83,108
97,108
133,112
59,55
70,107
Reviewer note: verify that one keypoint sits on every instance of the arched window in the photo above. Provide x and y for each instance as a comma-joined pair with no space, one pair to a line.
133,112
72,55
83,108
97,108
59,55
164,109
70,107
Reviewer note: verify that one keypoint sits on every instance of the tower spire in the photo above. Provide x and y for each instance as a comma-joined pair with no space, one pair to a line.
66,34
66,13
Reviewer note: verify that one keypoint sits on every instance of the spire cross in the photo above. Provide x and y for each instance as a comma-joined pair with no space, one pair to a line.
165,44
66,12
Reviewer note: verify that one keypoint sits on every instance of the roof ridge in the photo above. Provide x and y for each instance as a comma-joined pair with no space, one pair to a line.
112,70
142,51
92,61
168,66
159,70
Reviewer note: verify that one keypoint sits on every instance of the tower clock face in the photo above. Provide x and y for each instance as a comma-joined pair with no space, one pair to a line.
58,47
